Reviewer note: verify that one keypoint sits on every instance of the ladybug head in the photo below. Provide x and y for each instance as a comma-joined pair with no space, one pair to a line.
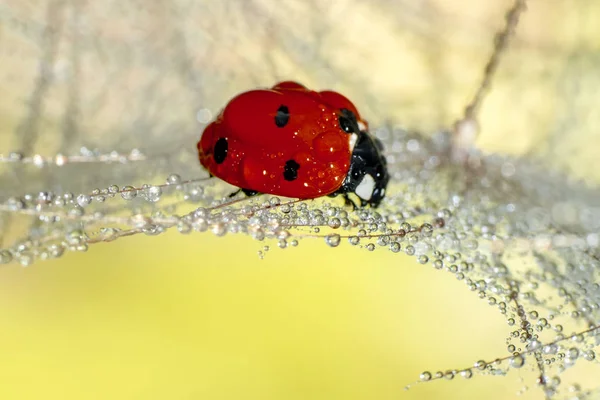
368,176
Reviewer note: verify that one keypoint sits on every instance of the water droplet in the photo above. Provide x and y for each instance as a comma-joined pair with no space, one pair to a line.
517,361
25,259
153,193
219,229
5,257
550,349
395,247
15,156
333,240
480,365
184,227
425,376
334,223
426,230
449,375
173,179
573,353
38,161
83,200
258,234
534,345
15,204
589,355
129,193
467,373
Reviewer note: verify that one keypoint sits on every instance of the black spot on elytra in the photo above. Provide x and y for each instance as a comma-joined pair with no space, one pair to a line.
290,170
347,121
282,117
220,150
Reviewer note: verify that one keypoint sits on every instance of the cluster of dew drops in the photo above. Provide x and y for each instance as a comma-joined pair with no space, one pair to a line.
426,215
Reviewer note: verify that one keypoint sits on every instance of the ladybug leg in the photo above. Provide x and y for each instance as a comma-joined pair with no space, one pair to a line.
247,192
348,201
233,194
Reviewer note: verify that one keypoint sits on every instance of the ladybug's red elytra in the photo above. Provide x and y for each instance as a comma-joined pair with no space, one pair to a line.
294,142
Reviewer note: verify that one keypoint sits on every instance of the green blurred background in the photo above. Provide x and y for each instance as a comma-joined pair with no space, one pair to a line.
185,317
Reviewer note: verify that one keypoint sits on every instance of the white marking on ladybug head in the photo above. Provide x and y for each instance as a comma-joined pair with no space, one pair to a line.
362,126
352,140
364,190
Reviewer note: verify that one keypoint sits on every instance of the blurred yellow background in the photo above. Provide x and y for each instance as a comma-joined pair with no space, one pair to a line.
185,317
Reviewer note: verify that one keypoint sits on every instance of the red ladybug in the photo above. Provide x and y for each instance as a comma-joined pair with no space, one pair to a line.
294,142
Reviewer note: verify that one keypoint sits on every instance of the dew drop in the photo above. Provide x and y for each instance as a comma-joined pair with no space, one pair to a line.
449,375
38,161
480,365
354,240
129,193
15,156
25,259
258,234
173,179
184,227
589,355
573,353
426,230
535,345
153,193
550,349
517,361
5,257
395,247
83,200
334,223
219,229
425,376
333,240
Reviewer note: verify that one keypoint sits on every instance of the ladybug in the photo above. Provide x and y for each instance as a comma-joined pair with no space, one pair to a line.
294,142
